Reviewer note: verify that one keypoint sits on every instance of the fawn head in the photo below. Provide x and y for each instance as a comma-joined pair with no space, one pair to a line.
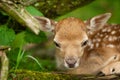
71,36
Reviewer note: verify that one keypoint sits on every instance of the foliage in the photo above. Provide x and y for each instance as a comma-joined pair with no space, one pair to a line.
10,36
19,40
19,58
7,35
35,38
33,11
29,56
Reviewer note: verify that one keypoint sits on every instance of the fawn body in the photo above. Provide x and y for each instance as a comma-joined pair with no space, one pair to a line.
84,47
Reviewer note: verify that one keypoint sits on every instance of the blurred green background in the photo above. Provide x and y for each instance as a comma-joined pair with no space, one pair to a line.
95,8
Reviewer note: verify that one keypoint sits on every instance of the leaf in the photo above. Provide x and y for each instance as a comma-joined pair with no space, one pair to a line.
32,38
33,11
6,36
3,13
19,40
33,58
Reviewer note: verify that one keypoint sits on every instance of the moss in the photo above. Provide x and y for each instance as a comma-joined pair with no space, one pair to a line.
35,75
56,8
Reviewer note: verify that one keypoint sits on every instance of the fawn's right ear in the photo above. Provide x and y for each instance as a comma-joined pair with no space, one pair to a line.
46,23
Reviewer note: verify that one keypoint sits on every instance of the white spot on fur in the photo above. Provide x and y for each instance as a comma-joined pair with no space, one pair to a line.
98,33
110,45
101,35
110,38
94,40
90,32
104,30
113,32
109,30
98,39
97,44
115,38
92,46
106,36
89,42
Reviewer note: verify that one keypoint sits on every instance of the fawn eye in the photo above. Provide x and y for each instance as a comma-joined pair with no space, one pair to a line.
57,44
113,70
84,43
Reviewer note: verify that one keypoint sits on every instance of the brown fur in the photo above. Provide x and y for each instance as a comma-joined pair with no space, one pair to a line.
70,29
70,37
93,58
113,68
96,60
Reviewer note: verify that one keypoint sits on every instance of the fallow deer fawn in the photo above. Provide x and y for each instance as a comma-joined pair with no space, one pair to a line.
84,46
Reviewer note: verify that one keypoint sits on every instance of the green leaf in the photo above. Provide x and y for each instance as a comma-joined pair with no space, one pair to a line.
19,40
33,11
32,38
6,36
3,13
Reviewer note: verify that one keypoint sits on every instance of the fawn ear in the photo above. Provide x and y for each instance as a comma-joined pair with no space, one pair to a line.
46,23
97,22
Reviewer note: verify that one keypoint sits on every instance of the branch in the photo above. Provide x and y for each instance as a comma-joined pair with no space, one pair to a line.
21,15
5,63
55,8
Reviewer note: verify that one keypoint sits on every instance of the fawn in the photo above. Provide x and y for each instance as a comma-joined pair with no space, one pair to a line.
83,47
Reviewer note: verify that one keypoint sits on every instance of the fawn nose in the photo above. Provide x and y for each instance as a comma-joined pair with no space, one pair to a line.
71,62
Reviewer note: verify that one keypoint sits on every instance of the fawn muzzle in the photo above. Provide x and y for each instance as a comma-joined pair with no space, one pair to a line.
71,62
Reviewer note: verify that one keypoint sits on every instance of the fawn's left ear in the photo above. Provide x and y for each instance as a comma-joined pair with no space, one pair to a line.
46,24
97,22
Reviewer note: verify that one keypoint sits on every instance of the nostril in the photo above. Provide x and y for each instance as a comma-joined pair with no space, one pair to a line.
71,62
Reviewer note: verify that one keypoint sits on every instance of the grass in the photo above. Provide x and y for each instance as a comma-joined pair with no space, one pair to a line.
33,58
19,57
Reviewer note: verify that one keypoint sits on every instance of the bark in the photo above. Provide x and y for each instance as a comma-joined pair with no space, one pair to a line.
55,8
18,13
34,75
4,64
